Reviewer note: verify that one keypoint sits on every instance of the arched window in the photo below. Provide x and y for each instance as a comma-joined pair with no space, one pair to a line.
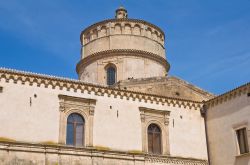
75,130
111,75
154,139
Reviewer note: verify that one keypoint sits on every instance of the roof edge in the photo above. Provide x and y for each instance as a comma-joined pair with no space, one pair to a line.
120,20
46,80
238,91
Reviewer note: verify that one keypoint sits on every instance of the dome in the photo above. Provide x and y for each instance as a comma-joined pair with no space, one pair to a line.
135,48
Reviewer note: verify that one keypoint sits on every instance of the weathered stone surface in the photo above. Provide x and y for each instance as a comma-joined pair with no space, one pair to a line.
165,86
35,154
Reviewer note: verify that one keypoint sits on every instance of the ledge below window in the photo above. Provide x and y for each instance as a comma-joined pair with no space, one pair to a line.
243,155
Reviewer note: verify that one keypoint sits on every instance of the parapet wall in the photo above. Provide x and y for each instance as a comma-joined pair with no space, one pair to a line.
123,34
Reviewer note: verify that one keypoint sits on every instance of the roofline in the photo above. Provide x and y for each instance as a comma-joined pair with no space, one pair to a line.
228,95
198,89
122,52
46,80
62,82
160,79
120,20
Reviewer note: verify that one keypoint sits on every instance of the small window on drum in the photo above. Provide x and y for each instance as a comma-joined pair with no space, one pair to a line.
111,75
75,130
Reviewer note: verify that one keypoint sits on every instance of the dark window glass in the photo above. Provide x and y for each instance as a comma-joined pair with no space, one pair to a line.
111,75
70,134
75,130
242,140
154,139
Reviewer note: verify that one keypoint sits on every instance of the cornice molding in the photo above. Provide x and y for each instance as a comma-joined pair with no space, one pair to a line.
175,160
149,112
92,152
77,99
122,52
46,81
234,93
122,20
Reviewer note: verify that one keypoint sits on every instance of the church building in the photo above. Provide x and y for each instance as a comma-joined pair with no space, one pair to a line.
124,110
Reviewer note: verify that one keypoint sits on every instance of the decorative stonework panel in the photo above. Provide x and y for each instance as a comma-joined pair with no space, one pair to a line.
84,107
151,160
160,118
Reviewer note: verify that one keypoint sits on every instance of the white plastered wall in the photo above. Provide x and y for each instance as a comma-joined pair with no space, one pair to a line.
39,122
222,121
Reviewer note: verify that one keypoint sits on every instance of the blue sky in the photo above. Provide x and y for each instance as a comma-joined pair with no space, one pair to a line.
207,42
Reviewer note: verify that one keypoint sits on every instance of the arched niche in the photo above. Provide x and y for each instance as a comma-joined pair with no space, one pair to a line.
149,32
127,29
95,34
103,31
118,29
137,30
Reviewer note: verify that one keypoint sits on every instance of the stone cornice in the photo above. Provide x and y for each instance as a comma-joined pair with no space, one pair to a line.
244,89
122,52
149,112
175,160
77,99
39,80
92,152
121,20
165,112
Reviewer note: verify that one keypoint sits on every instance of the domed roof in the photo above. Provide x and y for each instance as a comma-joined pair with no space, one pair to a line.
121,8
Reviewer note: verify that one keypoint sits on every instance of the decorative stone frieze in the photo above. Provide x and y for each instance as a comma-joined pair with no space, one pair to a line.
84,107
160,118
242,90
45,81
132,22
174,161
121,52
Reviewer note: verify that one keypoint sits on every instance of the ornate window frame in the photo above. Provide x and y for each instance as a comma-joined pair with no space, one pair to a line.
160,118
83,106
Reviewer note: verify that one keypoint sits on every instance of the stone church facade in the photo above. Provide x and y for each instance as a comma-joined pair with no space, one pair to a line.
124,109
